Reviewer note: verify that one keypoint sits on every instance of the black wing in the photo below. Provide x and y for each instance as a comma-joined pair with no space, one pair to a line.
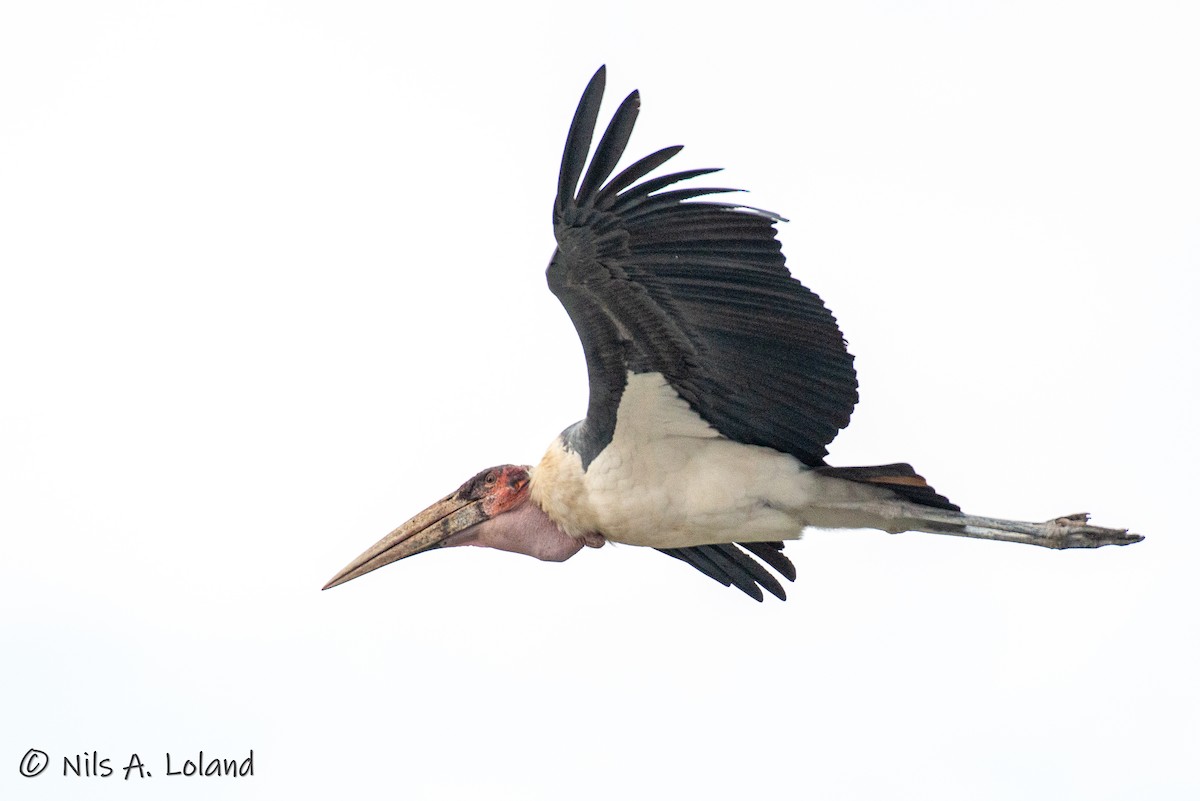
655,281
730,566
695,290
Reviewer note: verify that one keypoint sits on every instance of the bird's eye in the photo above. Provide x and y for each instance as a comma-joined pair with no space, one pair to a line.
490,479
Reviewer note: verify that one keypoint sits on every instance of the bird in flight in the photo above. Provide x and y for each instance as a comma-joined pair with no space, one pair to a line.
716,381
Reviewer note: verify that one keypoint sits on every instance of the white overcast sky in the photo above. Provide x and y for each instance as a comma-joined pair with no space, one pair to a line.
271,281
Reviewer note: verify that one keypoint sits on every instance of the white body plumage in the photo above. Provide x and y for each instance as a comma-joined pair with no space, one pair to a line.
669,480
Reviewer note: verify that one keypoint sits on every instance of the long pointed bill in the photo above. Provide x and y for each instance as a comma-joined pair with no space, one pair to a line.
426,531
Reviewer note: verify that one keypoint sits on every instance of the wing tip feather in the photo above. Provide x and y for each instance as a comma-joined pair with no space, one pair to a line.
728,565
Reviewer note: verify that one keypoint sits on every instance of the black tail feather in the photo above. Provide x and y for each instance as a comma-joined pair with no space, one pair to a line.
900,478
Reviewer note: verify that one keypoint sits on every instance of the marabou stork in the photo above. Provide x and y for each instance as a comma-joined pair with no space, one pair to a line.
716,382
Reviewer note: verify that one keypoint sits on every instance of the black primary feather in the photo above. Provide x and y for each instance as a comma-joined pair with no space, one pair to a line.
730,566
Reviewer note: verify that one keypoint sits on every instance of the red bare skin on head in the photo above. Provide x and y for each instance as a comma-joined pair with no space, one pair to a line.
513,523
500,488
511,490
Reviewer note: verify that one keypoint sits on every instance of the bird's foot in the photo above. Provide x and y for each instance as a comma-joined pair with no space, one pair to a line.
1068,531
1073,531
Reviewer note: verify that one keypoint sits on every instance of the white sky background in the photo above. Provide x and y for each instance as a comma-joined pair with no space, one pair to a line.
271,281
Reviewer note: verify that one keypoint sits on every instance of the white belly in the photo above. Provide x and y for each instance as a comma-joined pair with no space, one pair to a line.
669,480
